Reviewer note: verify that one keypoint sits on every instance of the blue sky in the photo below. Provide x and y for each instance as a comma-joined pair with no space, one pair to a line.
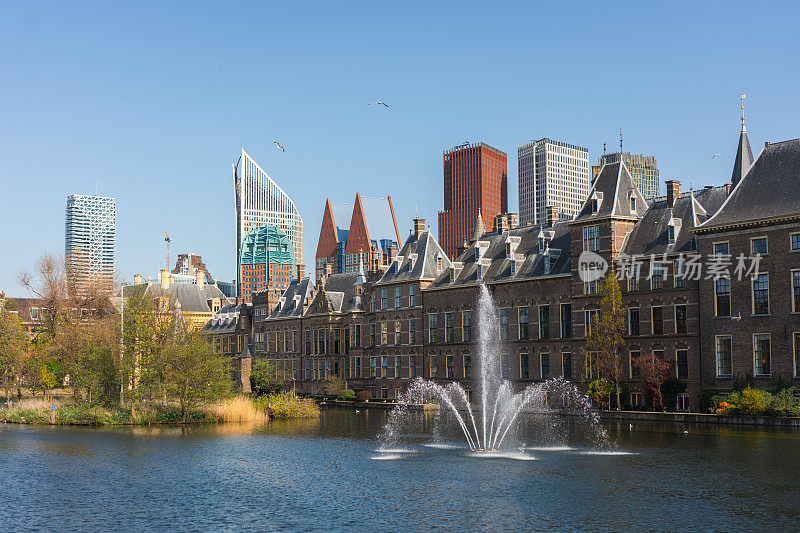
155,100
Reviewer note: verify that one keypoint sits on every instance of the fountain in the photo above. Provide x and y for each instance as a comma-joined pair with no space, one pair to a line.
487,422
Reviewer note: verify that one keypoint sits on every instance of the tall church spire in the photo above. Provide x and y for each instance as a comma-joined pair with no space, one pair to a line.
744,156
480,229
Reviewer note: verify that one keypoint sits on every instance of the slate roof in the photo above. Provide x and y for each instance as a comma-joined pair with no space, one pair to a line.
193,299
650,234
744,158
533,248
416,260
337,295
292,306
770,189
613,188
224,320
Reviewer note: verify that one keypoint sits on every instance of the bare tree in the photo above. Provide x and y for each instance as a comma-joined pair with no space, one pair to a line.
654,372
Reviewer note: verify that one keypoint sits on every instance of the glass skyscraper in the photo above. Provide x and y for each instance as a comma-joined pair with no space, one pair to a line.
259,201
642,168
90,239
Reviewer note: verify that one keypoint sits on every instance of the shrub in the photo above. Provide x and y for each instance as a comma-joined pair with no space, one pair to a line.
757,402
363,396
600,391
333,386
288,405
347,395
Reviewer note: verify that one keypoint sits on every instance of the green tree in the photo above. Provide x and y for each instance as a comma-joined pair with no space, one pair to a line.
262,377
607,337
193,371
13,352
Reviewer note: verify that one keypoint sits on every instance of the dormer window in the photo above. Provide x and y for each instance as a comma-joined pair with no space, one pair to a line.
595,205
633,204
513,268
480,271
452,274
477,254
671,234
438,262
508,249
546,264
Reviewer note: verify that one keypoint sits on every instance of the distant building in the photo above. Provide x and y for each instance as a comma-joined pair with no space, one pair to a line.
475,181
371,237
90,239
188,264
266,262
642,168
551,174
259,201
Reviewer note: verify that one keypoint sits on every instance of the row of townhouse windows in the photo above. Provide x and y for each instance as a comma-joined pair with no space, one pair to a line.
762,355
277,341
659,272
523,319
759,294
681,362
657,319
393,298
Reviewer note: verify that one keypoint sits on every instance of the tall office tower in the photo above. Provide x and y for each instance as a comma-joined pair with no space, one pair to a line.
90,239
267,262
475,181
552,174
642,168
259,201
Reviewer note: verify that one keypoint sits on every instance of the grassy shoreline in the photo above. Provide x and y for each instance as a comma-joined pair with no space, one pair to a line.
236,409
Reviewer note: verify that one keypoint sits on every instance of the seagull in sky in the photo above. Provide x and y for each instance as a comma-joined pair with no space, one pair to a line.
379,102
715,155
279,146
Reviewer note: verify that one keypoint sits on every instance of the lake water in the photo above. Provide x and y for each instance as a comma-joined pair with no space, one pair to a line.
326,475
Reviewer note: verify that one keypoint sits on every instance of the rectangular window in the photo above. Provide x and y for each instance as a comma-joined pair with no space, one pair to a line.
384,334
566,365
433,365
758,245
466,326
522,314
657,279
722,296
308,341
796,354
358,366
761,353
503,316
680,273
590,315
384,299
544,360
384,366
682,363
657,316
412,366
566,321
373,366
397,363
796,291
682,403
633,370
449,334
412,331
680,319
633,321
544,321
467,366
412,293
397,332
433,326
337,340
450,370
397,303
721,248
633,278
761,294
593,285
723,349
523,366
372,334
590,238
357,336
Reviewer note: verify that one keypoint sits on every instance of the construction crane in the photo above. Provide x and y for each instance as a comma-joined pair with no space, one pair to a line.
167,240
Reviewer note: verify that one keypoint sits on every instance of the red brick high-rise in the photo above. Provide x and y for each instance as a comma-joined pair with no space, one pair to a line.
475,180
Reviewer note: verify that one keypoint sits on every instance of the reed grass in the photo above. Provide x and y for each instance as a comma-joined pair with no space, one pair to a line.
238,409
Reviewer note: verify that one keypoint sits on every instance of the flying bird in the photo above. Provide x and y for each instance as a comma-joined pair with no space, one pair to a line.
379,102
715,155
279,146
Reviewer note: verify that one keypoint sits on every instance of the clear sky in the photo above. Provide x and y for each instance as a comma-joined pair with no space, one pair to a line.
155,100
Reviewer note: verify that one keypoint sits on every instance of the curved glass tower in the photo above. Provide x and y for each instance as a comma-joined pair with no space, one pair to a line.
259,201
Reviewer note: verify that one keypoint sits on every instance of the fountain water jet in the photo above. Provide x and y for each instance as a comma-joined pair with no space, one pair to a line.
499,406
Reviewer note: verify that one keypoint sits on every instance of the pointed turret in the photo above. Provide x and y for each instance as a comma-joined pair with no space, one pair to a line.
744,158
361,279
480,229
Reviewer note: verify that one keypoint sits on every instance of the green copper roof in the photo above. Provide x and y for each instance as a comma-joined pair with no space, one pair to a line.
266,244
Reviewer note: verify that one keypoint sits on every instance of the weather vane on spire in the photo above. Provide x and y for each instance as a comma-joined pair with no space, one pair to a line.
742,97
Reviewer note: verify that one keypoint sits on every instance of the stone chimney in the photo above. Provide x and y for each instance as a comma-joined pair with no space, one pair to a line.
419,226
137,279
673,191
504,222
551,215
301,272
164,278
392,253
200,278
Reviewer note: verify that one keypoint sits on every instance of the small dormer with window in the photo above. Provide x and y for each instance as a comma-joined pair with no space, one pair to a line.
452,274
595,201
479,271
673,228
632,200
438,262
412,259
511,246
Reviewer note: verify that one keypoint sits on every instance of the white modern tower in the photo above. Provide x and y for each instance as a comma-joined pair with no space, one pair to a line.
259,201
90,239
552,173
